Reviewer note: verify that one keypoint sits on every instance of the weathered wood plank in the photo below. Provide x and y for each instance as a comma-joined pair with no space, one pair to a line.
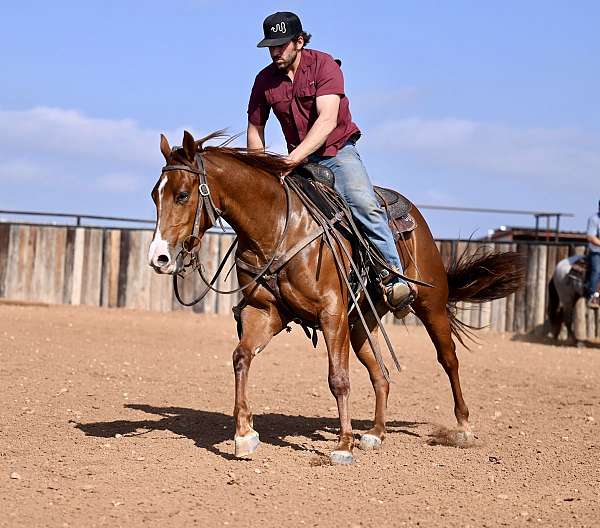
78,259
69,263
124,251
520,312
138,271
531,283
110,268
4,245
540,289
91,280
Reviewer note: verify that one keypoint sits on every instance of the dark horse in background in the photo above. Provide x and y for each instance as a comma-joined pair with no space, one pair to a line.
246,190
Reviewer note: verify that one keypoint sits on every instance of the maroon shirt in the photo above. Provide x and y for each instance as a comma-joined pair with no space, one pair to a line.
294,103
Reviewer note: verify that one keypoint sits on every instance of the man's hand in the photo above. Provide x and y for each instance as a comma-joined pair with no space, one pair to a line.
292,163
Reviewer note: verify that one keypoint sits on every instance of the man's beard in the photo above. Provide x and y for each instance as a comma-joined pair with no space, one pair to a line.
287,61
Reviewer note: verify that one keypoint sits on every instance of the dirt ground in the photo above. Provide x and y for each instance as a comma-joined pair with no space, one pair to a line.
123,418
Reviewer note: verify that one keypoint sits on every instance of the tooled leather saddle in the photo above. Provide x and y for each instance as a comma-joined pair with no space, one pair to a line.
311,176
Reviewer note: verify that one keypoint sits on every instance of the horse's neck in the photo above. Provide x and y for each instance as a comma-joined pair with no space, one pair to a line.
253,204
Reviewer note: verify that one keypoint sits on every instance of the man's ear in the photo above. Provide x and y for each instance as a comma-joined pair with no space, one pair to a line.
164,147
189,145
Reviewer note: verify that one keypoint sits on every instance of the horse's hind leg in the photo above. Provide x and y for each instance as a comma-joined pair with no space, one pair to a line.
258,328
435,318
358,337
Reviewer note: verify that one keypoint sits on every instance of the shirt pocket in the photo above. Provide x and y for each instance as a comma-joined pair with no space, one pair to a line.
307,99
279,99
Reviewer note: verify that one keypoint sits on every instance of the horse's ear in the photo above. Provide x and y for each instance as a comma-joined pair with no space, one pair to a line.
165,147
189,145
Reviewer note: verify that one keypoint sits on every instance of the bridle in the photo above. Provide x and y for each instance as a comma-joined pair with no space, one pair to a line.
205,202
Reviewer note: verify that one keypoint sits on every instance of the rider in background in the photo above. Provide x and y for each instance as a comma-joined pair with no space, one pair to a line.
593,236
305,89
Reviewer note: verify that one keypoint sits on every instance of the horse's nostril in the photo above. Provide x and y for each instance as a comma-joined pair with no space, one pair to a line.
163,260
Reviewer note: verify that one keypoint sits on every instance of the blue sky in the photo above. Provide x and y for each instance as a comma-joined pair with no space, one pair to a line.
481,104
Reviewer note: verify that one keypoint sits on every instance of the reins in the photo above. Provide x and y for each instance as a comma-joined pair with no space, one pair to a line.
326,230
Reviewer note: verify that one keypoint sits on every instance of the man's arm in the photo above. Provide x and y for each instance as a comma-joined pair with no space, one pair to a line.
594,240
592,230
327,112
255,137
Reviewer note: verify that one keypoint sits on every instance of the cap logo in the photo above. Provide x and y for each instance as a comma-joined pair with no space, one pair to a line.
280,26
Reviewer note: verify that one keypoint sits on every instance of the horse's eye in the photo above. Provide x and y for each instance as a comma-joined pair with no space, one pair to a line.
183,197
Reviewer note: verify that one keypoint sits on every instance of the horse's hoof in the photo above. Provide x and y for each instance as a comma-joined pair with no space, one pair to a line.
341,457
369,442
580,344
464,437
246,445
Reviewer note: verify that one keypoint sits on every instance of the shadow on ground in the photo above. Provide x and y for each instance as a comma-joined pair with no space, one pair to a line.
540,336
209,429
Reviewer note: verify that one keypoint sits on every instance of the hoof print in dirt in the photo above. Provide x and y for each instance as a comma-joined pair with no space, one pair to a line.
452,438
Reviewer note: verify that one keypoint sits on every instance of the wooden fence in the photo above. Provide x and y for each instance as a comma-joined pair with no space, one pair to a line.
108,267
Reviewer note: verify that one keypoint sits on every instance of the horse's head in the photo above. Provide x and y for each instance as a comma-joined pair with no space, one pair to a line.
178,202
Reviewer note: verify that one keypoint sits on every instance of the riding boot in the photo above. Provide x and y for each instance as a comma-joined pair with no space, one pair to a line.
398,293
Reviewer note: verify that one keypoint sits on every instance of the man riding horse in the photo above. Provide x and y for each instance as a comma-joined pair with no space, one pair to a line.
305,89
593,278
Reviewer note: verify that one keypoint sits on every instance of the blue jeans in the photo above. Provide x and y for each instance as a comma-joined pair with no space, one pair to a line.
593,273
353,183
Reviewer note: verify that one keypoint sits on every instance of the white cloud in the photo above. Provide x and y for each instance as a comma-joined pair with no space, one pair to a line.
71,133
66,151
542,154
65,132
20,171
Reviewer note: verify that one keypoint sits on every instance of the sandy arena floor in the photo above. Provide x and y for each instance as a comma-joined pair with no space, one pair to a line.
123,418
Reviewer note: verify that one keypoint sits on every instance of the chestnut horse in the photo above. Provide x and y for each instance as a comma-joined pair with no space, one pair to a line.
199,184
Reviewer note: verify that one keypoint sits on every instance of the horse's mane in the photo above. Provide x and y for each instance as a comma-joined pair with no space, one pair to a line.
264,160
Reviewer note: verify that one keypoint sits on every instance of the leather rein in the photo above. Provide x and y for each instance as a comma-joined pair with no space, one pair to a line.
205,202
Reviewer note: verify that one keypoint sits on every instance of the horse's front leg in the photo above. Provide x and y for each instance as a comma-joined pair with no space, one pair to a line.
258,327
336,334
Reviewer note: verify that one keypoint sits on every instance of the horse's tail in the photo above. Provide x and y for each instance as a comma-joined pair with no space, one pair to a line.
479,278
554,310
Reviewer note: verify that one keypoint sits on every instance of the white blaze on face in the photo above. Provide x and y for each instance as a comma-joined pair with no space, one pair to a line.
159,246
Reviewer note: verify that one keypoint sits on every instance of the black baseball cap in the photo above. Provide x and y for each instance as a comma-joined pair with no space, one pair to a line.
279,28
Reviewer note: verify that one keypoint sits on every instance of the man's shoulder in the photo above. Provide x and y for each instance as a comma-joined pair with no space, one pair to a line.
267,75
319,57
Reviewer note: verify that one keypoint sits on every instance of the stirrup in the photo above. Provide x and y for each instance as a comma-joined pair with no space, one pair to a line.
398,301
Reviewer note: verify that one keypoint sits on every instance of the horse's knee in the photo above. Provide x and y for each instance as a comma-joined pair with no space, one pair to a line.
339,384
241,359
